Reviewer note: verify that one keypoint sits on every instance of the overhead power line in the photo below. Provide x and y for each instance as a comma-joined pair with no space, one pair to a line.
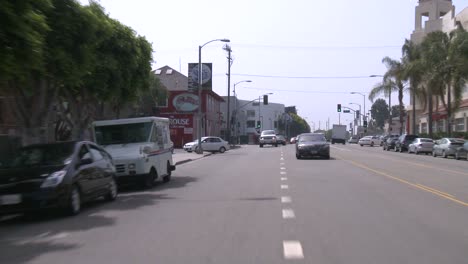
294,91
316,47
298,77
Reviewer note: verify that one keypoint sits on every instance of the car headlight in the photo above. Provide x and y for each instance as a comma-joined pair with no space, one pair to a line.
54,179
131,166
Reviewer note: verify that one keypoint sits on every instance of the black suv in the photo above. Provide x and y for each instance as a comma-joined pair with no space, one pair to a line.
389,143
404,141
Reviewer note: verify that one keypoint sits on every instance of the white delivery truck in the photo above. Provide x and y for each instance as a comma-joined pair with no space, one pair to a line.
140,147
338,134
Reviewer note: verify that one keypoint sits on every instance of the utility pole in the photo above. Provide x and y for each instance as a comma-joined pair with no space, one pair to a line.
228,49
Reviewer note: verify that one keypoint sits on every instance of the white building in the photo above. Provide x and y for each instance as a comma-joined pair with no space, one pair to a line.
438,15
249,117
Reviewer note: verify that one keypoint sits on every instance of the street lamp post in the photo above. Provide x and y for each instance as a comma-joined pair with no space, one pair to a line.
235,110
364,98
200,76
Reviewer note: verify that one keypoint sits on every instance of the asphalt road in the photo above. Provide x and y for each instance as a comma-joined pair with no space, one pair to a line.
253,205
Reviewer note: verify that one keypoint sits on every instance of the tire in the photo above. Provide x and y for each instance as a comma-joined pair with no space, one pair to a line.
298,156
383,148
148,180
222,149
276,145
327,157
362,145
434,154
168,176
400,149
74,202
416,152
113,191
372,144
444,155
261,145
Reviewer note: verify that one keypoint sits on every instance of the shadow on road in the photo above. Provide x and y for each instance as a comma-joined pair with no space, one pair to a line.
26,237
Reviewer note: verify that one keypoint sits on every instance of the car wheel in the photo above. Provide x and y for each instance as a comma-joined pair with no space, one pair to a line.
222,149
113,190
362,145
298,156
416,152
400,149
372,144
261,145
434,154
327,157
276,145
148,180
74,201
444,155
168,176
384,148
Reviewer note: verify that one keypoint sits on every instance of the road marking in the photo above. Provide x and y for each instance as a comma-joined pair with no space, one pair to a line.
292,249
282,172
283,168
418,186
288,214
342,149
281,159
434,190
284,178
286,199
284,186
282,163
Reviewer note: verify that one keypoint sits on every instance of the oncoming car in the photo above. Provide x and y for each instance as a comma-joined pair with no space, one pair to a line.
268,137
312,144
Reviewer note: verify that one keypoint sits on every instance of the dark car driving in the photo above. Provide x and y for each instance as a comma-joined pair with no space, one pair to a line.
312,144
390,142
404,141
58,175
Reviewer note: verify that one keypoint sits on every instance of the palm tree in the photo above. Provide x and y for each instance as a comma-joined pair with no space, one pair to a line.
414,73
394,80
386,87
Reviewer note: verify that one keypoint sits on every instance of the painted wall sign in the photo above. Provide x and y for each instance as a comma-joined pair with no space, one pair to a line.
186,102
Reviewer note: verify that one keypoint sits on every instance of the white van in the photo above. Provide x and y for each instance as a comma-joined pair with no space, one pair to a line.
141,148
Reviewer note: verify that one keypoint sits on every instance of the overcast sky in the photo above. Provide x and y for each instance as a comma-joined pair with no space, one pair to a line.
326,41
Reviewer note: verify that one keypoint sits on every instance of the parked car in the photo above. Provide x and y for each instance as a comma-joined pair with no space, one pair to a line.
59,175
293,140
390,142
447,147
369,141
353,140
421,145
268,137
281,139
462,151
210,144
403,142
312,144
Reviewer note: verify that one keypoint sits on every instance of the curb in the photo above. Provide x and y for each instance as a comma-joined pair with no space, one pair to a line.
189,160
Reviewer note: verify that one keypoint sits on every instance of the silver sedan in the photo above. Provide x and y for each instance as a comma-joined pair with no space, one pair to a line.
421,145
446,147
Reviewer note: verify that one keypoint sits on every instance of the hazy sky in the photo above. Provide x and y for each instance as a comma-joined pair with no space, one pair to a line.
323,40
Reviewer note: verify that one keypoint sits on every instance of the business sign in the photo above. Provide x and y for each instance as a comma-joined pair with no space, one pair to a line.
186,102
193,76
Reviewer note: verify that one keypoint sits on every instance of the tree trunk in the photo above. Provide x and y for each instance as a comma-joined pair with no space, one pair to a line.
449,110
390,118
429,118
413,91
400,101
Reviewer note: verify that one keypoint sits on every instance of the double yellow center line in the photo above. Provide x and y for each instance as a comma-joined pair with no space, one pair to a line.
415,185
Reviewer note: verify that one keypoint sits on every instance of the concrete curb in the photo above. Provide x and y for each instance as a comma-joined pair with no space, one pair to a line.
180,162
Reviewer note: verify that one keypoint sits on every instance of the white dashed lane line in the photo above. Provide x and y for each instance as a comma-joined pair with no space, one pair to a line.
288,214
292,249
283,186
284,178
283,173
286,199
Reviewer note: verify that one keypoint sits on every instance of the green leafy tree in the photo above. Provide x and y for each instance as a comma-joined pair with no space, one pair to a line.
380,112
396,111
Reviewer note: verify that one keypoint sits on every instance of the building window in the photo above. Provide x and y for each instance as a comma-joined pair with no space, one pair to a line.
251,124
440,126
459,124
251,113
424,128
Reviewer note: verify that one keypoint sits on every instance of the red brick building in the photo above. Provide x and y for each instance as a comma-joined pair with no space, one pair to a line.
182,106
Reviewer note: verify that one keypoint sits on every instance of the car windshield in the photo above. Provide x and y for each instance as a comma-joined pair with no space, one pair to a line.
43,155
425,140
412,137
457,141
312,138
268,133
123,134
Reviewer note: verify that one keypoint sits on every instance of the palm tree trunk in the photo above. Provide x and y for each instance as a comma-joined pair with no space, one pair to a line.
400,101
413,91
390,111
429,118
449,110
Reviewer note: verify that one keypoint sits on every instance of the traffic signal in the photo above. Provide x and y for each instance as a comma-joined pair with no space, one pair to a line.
265,99
365,123
358,114
258,124
338,108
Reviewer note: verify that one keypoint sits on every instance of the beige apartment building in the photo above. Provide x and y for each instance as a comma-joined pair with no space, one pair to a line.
438,15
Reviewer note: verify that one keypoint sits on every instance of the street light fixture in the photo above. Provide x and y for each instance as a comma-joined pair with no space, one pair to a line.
375,75
199,123
364,98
